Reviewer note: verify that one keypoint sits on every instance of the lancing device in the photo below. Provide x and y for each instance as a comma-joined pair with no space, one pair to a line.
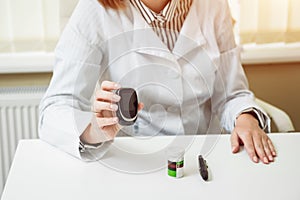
203,168
127,106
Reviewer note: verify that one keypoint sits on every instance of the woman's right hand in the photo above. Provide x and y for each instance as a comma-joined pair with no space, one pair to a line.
104,125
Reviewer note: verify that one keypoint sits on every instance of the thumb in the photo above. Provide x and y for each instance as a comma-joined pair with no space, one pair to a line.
140,106
235,145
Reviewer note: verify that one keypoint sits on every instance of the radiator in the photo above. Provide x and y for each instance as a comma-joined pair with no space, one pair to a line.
18,120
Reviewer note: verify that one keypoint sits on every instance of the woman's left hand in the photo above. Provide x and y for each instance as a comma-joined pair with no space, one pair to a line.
257,144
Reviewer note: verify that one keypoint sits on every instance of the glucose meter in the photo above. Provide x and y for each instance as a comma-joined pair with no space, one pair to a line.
127,106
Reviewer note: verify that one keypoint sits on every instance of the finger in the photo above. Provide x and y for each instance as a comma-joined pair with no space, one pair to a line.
267,148
259,147
235,145
106,121
107,96
99,106
108,85
271,147
249,146
140,106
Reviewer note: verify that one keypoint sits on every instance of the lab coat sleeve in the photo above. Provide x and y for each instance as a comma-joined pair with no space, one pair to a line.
231,95
65,110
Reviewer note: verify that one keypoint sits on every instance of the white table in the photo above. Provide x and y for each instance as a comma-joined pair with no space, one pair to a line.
40,171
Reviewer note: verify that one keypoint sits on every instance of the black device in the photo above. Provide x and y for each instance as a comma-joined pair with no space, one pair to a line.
127,106
203,168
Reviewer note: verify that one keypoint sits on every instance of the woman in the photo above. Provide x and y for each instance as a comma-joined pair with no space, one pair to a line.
181,57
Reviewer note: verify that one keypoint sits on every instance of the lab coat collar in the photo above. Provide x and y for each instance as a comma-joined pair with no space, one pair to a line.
146,41
190,36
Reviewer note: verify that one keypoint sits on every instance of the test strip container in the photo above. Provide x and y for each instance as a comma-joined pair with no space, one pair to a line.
175,162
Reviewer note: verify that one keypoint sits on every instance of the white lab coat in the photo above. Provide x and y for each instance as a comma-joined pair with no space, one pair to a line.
182,90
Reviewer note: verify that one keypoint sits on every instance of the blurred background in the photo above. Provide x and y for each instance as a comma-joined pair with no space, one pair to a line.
268,32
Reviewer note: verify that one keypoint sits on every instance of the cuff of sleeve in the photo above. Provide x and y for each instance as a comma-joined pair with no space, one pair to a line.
96,153
237,106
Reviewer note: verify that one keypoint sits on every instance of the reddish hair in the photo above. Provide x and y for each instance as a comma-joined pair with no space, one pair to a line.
114,4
